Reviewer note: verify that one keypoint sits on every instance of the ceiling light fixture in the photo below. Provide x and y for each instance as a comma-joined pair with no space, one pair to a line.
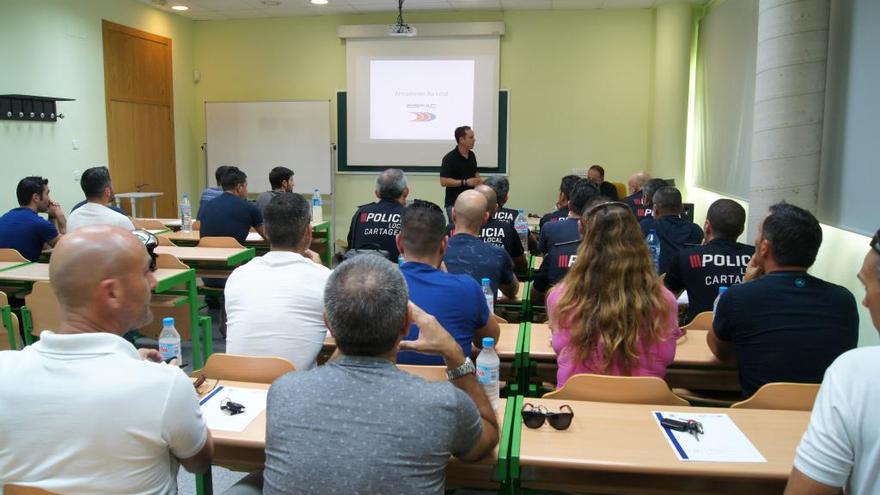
319,2
179,7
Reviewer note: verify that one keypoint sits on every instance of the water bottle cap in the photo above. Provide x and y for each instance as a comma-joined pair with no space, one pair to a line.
722,289
168,322
488,342
485,281
521,210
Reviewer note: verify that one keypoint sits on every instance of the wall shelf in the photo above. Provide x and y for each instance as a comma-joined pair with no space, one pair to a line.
30,108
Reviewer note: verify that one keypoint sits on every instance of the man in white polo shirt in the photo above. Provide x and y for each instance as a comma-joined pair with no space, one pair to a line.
275,303
98,188
82,411
841,448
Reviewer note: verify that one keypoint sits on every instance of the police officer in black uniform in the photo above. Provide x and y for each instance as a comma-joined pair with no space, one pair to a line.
721,261
646,209
566,229
375,225
501,186
562,202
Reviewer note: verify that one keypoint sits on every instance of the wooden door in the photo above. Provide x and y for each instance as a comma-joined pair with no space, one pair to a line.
140,115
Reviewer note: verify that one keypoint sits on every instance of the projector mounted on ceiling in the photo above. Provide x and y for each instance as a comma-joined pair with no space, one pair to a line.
401,28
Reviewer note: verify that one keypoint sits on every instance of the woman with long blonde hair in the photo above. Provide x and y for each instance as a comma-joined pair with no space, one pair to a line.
611,313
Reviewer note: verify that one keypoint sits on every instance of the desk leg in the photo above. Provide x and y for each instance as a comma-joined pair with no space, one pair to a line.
7,323
27,324
204,484
195,330
155,200
134,210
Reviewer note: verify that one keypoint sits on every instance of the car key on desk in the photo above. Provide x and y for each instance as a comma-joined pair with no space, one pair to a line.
691,426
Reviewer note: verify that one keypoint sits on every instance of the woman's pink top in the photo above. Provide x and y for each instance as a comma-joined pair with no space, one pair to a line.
652,362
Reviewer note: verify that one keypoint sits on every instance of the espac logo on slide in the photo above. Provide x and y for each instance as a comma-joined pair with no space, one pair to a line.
423,116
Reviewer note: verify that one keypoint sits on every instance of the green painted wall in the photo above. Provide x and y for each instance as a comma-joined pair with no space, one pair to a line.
581,87
54,48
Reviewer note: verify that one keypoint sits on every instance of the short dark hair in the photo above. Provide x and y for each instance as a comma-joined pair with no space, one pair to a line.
598,168
668,199
365,303
651,187
94,180
582,191
279,175
500,185
794,234
391,183
287,217
461,131
727,218
423,228
29,186
232,179
567,183
218,174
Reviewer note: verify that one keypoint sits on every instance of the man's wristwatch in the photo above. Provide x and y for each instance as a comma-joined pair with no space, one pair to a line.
466,368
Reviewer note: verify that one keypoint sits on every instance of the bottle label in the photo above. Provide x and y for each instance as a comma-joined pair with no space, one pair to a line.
169,350
487,375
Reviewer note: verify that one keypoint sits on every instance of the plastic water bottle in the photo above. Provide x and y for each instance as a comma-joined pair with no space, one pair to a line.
169,341
654,247
721,291
186,217
488,366
487,291
522,228
317,211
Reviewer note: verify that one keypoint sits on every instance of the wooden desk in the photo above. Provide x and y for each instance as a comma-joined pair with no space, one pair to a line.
618,448
192,238
244,450
171,223
221,256
31,272
694,366
504,300
6,265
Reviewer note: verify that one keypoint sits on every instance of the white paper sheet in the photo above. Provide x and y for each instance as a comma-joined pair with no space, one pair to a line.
254,401
253,237
721,441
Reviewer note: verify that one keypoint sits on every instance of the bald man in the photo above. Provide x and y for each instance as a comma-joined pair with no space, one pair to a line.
466,253
500,233
90,413
635,184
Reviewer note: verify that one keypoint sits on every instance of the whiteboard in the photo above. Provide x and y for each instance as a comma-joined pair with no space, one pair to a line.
257,136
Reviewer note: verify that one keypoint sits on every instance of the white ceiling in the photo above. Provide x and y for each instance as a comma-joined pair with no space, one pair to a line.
248,9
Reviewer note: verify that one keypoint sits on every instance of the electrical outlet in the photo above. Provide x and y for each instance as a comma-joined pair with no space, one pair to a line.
75,144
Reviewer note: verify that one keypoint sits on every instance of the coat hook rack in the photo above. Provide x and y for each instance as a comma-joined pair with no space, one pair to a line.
30,108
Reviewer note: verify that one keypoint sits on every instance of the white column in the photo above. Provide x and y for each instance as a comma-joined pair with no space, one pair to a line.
789,105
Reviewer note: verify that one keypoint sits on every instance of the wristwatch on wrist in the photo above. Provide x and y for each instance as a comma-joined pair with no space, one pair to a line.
466,368
463,182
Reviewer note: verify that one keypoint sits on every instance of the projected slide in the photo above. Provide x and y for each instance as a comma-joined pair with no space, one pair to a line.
420,99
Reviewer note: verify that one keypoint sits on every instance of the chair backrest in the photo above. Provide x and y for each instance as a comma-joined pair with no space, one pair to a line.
4,338
219,242
25,490
149,224
255,369
702,321
621,189
44,308
165,260
197,224
622,389
9,254
498,318
788,396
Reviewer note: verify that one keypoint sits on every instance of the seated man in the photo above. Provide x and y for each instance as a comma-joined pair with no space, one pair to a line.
501,186
376,428
784,325
635,184
596,175
376,225
721,261
456,300
95,183
562,202
675,232
562,255
83,411
231,214
501,234
23,229
274,303
839,449
566,229
281,180
212,192
468,254
646,209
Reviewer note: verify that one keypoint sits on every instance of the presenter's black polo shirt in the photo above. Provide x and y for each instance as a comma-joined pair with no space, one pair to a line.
375,226
455,166
701,270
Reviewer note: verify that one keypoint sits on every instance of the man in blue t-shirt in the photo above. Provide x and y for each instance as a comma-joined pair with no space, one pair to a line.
467,253
211,193
784,325
456,300
23,229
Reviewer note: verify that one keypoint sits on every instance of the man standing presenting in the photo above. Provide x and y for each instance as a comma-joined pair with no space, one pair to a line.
458,171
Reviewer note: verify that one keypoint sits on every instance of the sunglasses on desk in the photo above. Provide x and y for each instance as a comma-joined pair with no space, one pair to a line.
534,417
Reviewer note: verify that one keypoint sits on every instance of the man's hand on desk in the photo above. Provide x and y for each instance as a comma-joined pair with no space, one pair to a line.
154,356
433,338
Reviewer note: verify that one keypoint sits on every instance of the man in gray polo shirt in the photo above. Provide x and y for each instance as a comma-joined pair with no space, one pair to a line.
361,425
